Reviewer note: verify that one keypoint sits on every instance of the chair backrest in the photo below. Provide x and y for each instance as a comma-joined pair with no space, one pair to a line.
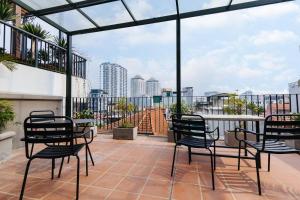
282,127
192,125
57,129
41,115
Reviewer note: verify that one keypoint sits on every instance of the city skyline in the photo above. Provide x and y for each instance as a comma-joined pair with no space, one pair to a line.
254,49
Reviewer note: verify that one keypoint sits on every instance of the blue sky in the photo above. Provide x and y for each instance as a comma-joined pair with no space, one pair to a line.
255,49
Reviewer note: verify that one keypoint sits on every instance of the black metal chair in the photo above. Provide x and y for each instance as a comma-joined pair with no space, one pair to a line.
190,131
277,129
60,130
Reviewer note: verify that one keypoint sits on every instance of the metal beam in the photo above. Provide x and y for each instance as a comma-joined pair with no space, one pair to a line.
69,68
68,7
26,7
128,10
198,13
178,61
85,15
230,2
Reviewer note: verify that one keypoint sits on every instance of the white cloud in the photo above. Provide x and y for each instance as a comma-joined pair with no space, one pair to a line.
274,37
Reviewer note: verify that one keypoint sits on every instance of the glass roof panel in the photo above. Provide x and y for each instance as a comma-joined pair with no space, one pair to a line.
43,4
193,5
240,1
145,9
108,13
71,20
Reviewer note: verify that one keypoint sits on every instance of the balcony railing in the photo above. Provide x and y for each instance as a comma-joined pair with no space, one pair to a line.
28,49
152,114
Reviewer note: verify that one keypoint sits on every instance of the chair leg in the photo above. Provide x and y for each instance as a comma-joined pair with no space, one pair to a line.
190,155
61,166
68,160
25,178
215,163
86,161
77,182
269,162
257,163
259,160
239,157
89,151
52,168
212,170
174,155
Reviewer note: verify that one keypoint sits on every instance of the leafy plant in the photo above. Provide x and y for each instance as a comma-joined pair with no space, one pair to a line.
185,109
234,106
62,42
6,113
85,114
7,60
126,125
36,30
43,55
296,116
255,108
6,11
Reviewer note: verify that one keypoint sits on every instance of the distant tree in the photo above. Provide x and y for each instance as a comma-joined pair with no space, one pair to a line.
185,109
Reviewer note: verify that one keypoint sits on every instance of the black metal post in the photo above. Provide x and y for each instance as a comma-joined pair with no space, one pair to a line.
69,77
178,66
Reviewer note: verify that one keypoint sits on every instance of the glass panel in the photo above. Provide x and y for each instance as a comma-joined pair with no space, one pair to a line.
241,1
193,5
71,20
108,13
145,9
42,4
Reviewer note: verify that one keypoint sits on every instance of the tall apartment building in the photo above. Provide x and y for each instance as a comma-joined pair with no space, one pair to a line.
137,86
294,90
152,87
113,79
187,95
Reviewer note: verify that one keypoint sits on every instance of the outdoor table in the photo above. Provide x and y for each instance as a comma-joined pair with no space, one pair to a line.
242,118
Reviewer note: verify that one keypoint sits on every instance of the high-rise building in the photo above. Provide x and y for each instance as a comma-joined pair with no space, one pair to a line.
98,100
113,79
137,86
152,87
187,95
294,91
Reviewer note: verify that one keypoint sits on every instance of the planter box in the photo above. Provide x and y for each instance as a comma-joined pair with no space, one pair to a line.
6,144
125,133
229,138
293,143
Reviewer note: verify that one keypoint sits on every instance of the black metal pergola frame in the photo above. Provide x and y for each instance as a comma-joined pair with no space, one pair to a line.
178,16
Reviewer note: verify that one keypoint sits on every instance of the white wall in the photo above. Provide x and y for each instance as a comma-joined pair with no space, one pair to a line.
34,81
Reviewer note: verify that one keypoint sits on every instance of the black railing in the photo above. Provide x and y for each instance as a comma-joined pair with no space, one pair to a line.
107,112
26,48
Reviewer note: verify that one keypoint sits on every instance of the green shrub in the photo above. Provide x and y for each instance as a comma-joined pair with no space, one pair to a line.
85,114
185,109
6,113
126,125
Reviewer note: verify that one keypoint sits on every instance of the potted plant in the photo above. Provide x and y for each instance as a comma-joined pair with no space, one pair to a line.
237,106
6,115
126,131
87,114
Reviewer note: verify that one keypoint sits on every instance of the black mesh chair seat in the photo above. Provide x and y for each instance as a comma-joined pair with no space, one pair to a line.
272,146
58,151
195,142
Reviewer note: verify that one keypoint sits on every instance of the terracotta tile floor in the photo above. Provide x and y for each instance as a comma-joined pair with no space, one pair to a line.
140,170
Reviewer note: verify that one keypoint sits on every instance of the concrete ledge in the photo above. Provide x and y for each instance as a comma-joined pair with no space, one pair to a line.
7,134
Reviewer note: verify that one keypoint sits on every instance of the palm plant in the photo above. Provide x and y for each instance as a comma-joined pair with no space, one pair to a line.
36,30
62,42
6,11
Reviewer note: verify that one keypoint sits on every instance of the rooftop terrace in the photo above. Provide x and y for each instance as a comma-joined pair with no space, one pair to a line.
140,169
